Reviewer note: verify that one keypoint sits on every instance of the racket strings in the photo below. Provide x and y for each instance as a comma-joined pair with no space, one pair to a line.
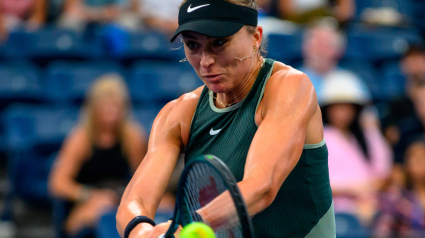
203,185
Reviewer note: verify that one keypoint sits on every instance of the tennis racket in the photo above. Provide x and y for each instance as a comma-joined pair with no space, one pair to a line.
206,181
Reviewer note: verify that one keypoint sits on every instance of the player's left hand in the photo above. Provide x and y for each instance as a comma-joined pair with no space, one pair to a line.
161,229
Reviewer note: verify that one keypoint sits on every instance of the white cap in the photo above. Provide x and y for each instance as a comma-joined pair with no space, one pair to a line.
344,87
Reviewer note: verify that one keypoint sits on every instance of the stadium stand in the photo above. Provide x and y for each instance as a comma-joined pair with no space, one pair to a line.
53,43
376,44
20,82
68,81
380,43
286,48
404,7
141,45
151,81
32,134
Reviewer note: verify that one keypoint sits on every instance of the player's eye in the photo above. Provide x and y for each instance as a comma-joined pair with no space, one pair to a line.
219,42
192,45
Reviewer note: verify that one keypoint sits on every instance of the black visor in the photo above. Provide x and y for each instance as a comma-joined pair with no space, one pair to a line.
214,18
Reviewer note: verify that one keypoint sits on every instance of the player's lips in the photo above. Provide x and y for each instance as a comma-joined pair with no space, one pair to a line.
212,77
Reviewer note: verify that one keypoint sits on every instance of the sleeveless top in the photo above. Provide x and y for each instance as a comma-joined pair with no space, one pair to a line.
105,168
303,206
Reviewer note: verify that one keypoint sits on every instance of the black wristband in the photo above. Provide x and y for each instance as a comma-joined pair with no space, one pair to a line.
136,221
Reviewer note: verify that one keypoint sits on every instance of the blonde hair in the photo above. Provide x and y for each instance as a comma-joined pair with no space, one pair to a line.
106,85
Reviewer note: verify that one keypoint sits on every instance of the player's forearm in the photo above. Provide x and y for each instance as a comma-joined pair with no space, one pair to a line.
223,211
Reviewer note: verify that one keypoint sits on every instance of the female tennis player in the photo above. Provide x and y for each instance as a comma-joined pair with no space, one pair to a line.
259,116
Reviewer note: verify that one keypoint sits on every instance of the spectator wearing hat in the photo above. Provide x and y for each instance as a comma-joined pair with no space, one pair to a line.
359,156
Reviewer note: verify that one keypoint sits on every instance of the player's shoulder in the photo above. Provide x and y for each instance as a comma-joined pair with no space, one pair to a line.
183,107
185,102
285,77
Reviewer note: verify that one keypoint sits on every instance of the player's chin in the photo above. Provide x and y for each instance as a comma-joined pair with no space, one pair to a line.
217,87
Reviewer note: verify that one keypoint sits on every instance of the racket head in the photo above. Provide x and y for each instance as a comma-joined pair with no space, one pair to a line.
204,179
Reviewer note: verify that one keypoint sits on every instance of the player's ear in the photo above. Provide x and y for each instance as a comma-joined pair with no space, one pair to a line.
258,36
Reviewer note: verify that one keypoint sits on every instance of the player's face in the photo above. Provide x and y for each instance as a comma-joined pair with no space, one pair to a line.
214,58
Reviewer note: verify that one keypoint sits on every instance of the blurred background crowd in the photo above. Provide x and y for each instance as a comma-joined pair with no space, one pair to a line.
81,82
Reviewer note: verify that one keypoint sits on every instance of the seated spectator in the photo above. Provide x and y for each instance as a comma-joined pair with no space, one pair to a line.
401,206
304,11
323,46
79,13
359,156
98,158
161,15
27,14
403,120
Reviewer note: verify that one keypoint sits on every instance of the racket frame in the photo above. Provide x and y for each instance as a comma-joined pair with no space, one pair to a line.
228,179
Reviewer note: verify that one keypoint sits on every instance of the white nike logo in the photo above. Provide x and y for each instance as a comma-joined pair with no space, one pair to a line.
189,10
213,132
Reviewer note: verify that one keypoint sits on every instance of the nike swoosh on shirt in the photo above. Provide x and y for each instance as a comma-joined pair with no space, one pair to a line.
213,132
189,9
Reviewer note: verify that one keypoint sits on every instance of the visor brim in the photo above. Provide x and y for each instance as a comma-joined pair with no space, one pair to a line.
209,28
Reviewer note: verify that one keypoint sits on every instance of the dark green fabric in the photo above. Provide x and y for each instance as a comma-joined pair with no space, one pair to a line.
304,197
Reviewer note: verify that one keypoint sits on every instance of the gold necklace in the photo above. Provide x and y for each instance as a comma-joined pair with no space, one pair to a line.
233,103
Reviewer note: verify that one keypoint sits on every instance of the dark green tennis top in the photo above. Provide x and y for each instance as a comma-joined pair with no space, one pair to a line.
303,206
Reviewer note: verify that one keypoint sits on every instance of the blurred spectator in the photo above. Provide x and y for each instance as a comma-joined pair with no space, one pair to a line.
79,13
323,46
28,14
405,116
359,156
98,158
304,11
401,206
161,15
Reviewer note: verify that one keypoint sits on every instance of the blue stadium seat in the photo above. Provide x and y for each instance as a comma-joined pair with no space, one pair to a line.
146,116
285,48
20,82
161,81
53,43
348,226
394,81
29,126
2,143
70,81
106,227
404,7
419,14
144,45
377,44
367,72
32,133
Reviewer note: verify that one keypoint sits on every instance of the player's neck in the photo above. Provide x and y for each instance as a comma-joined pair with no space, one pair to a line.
237,95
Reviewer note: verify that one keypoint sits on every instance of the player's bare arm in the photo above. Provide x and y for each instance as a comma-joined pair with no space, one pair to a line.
169,134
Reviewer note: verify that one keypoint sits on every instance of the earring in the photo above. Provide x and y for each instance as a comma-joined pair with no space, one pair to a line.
183,60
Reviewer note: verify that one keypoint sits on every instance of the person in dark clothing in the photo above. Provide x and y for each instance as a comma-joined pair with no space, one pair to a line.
403,120
99,156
